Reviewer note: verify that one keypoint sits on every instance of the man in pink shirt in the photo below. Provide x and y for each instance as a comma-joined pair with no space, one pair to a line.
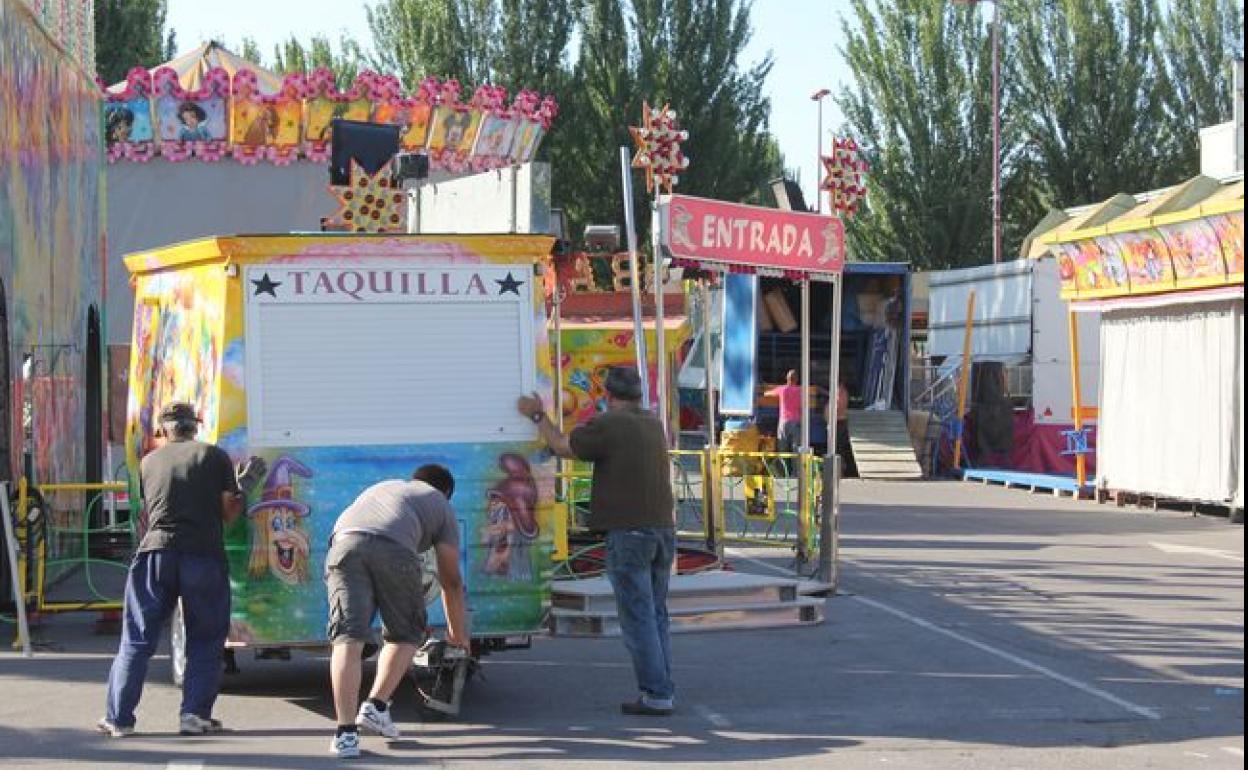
789,431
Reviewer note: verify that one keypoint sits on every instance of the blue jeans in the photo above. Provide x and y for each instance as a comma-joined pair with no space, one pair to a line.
155,582
639,565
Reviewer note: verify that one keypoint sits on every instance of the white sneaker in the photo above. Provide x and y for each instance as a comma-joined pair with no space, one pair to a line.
194,724
346,745
377,721
113,730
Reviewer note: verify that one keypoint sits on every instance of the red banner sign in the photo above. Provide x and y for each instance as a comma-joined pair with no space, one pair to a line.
751,238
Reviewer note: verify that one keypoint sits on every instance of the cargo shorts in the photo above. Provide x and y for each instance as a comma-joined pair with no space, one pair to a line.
365,574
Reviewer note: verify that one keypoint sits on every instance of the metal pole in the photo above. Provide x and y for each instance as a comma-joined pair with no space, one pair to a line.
708,359
558,308
639,332
1076,394
996,131
965,379
819,158
805,447
660,341
10,547
834,364
829,523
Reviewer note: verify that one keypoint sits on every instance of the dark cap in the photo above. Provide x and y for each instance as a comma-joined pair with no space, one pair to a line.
178,411
624,383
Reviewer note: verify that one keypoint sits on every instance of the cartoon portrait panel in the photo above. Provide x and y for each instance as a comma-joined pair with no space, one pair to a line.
129,121
191,120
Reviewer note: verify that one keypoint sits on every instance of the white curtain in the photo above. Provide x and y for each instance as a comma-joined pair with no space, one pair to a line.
1171,383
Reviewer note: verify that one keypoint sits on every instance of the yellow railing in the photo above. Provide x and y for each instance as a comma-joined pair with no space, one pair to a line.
726,496
62,537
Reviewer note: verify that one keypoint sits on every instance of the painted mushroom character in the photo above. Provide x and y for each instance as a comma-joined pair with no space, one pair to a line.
511,520
279,539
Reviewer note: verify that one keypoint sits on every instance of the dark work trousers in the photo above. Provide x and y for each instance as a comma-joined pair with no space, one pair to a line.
155,583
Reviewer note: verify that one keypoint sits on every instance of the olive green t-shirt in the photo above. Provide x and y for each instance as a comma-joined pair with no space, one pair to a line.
632,472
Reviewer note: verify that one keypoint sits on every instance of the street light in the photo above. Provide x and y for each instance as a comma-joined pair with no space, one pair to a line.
996,123
818,97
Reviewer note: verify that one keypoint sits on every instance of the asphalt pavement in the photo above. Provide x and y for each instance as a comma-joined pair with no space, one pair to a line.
975,627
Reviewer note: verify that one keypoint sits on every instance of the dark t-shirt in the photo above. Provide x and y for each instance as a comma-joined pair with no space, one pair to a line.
181,485
632,472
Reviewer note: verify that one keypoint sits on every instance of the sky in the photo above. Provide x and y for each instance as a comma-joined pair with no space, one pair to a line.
802,36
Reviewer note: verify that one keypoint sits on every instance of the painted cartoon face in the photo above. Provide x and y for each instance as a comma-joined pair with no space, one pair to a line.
189,118
282,543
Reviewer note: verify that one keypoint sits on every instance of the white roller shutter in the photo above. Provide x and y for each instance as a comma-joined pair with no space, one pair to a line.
418,355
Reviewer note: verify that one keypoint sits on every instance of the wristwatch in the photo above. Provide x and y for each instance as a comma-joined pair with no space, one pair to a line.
537,417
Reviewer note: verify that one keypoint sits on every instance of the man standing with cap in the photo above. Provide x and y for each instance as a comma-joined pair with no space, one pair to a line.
190,490
631,503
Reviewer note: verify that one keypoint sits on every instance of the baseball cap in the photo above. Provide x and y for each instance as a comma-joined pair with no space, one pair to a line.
179,411
623,382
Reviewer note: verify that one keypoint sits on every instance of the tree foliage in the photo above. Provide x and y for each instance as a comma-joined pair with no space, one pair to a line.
1197,40
129,33
601,58
345,62
1098,97
922,104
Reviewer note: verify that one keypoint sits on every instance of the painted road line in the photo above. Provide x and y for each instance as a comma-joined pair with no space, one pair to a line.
1234,751
1214,552
1084,687
718,721
194,765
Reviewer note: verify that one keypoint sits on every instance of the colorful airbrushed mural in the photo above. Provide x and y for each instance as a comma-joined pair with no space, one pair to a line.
1201,248
195,348
232,116
51,153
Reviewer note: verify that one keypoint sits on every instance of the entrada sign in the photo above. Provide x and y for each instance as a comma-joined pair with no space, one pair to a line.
734,236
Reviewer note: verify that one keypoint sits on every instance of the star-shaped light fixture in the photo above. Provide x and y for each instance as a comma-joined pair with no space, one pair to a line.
843,171
370,203
658,147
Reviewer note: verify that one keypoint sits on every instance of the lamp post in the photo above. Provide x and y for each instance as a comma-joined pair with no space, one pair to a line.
996,123
818,97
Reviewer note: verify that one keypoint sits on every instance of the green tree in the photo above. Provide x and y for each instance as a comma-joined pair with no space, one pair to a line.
1094,117
250,50
444,38
345,62
1198,40
128,33
921,103
679,52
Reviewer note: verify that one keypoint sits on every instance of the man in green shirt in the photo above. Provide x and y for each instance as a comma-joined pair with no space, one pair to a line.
631,505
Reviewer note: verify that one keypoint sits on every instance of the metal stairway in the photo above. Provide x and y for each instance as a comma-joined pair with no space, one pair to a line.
882,446
706,601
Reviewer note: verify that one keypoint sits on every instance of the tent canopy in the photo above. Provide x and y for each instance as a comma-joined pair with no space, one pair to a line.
195,64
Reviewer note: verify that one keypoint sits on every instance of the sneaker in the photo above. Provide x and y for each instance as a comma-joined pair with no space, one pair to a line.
377,721
112,729
345,745
194,724
645,706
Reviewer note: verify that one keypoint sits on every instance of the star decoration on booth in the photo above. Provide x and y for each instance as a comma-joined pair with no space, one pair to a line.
370,203
508,284
265,285
843,171
658,147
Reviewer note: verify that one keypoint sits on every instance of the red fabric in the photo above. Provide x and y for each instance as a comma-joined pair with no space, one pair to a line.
1037,448
790,402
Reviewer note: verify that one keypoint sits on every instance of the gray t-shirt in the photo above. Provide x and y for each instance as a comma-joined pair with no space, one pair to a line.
411,513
